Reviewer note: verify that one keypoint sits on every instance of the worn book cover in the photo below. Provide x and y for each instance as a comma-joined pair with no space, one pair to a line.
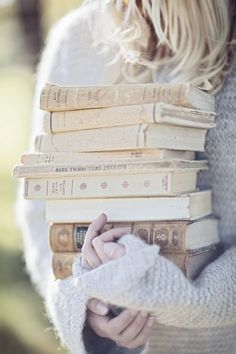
191,262
62,98
63,121
176,236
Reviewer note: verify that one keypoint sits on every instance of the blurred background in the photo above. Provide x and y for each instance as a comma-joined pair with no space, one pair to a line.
24,25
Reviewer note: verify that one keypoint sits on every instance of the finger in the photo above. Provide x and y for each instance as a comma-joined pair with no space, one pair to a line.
90,260
130,333
99,324
109,236
97,306
143,335
117,324
113,250
114,234
88,251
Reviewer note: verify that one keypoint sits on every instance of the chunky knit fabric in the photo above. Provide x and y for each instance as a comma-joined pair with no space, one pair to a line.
191,317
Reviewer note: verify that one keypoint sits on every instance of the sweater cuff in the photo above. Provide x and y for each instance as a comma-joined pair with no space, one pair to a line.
66,306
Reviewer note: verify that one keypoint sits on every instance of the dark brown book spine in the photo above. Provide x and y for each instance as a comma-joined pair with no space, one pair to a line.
170,236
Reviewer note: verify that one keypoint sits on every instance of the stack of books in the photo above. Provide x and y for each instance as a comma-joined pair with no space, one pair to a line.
127,151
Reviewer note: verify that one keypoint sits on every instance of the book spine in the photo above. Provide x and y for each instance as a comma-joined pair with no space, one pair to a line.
54,98
106,157
90,140
170,236
142,136
62,121
123,185
55,122
62,262
68,170
183,207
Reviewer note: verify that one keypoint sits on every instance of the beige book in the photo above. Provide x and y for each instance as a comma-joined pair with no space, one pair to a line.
161,183
62,98
142,136
127,115
190,206
171,236
68,170
106,156
190,263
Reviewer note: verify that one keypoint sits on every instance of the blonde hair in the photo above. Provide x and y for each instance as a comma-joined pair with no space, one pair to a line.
187,40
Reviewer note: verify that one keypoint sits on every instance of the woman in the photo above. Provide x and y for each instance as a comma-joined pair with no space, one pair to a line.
143,41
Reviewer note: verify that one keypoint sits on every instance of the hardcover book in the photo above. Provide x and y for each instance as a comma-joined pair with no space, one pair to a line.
62,98
175,236
106,156
140,136
159,183
191,263
190,206
67,169
62,121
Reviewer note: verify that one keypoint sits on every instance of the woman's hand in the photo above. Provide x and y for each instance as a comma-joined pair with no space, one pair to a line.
101,248
131,328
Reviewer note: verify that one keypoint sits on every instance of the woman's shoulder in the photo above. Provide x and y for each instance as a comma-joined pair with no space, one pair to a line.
76,22
69,52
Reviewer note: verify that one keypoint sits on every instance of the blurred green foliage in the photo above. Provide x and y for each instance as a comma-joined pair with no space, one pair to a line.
24,328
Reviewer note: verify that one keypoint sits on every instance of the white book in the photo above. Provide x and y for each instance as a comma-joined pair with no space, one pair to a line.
62,98
106,156
68,169
139,136
190,206
127,115
114,185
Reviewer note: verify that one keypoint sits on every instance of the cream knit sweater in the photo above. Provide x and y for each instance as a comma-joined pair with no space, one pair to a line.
192,317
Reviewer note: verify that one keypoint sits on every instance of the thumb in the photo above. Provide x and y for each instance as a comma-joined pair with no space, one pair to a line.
113,250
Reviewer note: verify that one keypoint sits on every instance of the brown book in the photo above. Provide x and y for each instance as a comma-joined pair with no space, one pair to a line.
191,263
176,236
63,121
63,98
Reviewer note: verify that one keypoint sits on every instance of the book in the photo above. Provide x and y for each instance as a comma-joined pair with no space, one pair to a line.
157,183
106,156
175,236
140,136
189,206
62,121
191,263
68,170
61,98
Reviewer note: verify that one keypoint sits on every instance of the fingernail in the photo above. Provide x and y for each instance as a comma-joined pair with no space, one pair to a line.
150,322
109,248
102,308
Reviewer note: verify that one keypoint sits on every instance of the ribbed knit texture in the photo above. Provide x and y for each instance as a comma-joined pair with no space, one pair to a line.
192,317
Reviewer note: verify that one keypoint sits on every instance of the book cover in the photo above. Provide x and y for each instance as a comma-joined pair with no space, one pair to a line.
62,121
54,97
190,206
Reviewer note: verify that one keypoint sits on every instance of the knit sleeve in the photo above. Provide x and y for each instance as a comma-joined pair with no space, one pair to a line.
153,283
68,58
